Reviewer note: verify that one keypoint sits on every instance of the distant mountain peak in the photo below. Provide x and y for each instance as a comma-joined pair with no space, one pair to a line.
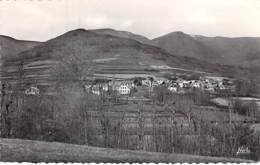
179,32
176,33
183,44
105,29
79,30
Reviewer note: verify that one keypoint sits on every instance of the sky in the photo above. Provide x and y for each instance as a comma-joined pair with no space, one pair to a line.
45,19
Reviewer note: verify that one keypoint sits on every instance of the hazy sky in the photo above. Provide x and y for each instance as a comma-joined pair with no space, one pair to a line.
45,19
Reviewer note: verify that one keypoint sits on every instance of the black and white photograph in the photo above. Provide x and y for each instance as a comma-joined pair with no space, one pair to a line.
130,81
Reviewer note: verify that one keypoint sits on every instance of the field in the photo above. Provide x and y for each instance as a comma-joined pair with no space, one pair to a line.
225,102
14,150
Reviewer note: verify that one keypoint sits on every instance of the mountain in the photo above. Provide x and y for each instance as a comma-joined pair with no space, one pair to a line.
81,53
11,47
183,44
242,51
124,34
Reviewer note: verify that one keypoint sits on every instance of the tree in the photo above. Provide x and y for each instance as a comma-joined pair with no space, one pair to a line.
201,97
74,66
7,109
161,94
245,88
247,109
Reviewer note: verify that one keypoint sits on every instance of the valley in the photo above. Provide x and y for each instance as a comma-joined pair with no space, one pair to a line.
115,89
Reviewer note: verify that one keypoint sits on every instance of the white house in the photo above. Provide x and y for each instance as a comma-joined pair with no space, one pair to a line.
173,88
124,88
87,88
32,91
99,88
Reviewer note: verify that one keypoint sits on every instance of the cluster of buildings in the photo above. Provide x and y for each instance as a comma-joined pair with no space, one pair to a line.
178,85
211,84
124,86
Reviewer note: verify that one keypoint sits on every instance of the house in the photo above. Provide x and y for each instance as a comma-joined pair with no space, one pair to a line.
32,91
137,81
124,88
87,88
173,88
99,88
147,83
222,87
195,84
155,84
185,84
160,80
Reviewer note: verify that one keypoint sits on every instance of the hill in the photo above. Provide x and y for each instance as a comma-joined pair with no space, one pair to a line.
11,47
15,150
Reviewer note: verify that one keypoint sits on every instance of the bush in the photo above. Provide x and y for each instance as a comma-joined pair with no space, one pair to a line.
245,88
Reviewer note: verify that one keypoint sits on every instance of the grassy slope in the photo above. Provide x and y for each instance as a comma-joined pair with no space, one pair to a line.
36,151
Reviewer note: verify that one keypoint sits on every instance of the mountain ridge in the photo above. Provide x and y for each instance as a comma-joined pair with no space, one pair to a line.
234,51
184,45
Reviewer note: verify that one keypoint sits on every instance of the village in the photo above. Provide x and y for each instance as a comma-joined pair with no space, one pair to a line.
124,86
176,85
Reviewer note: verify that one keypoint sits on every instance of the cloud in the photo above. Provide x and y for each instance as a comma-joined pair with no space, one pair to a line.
42,20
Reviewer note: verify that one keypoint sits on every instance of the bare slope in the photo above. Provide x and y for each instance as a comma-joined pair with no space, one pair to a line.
14,150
